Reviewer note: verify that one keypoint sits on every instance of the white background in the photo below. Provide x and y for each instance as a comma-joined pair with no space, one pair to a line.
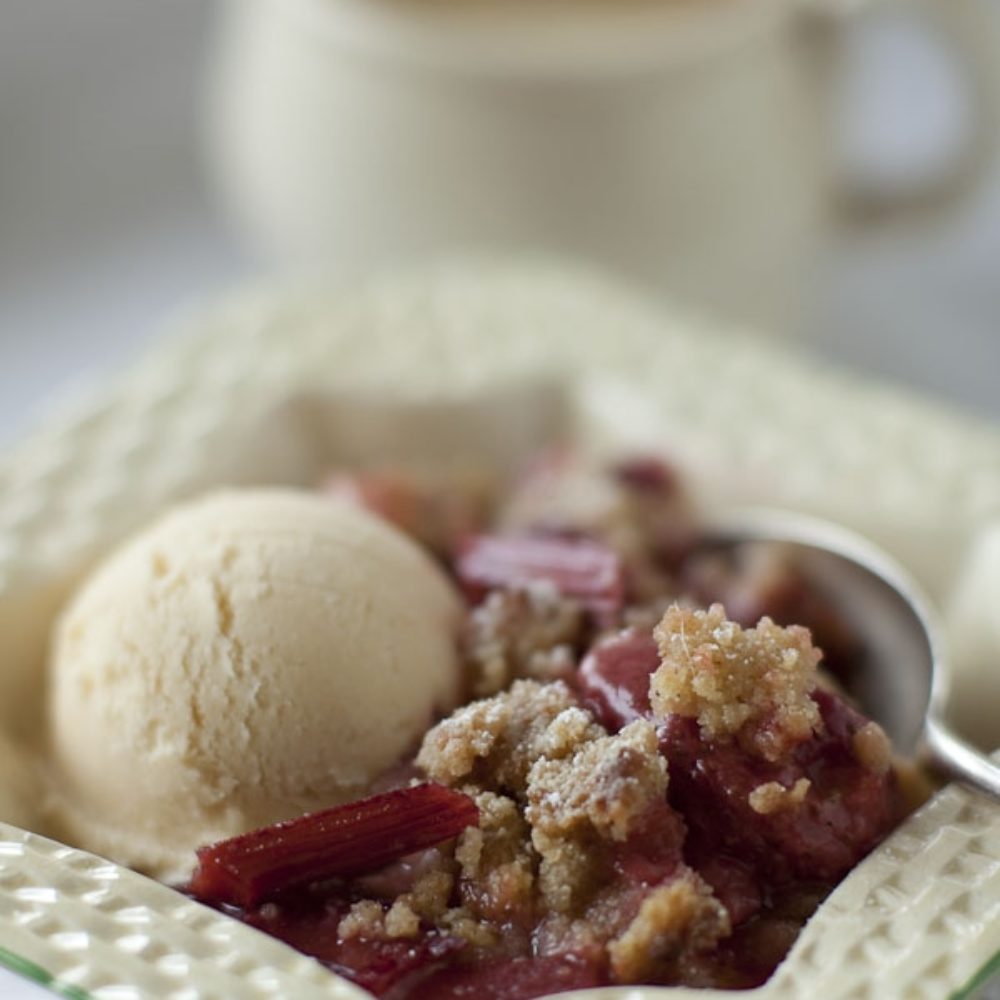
107,226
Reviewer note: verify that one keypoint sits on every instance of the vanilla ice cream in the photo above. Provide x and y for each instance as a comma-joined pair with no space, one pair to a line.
251,656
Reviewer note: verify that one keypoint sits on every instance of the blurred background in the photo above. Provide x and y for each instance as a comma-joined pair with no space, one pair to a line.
110,221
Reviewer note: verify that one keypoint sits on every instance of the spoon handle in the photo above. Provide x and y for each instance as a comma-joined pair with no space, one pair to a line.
962,760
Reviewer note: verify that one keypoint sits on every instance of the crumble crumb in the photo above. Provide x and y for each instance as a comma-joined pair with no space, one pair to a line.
678,918
363,920
570,729
773,797
609,783
753,685
430,894
529,631
496,864
493,743
550,785
400,921
603,791
477,933
872,748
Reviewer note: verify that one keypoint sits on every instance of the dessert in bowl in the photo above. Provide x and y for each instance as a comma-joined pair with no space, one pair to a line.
533,750
461,363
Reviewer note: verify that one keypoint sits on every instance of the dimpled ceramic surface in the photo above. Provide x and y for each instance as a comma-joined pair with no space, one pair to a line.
272,385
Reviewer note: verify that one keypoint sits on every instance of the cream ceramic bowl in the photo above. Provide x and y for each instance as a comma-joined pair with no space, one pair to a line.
273,385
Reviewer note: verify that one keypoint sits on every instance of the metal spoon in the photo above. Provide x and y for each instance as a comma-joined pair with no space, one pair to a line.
907,690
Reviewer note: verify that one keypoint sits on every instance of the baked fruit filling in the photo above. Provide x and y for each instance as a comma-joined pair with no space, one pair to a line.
651,780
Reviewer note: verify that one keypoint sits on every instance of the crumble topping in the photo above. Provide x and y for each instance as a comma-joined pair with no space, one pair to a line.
365,919
526,632
494,742
872,748
751,685
430,894
602,792
608,784
677,918
773,797
558,796
496,865
401,921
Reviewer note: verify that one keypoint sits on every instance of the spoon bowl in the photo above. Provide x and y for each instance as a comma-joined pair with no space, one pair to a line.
904,685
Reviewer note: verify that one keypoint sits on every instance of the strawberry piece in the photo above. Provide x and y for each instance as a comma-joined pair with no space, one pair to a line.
341,842
581,569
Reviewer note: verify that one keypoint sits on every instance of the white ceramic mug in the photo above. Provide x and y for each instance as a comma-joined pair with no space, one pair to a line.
683,144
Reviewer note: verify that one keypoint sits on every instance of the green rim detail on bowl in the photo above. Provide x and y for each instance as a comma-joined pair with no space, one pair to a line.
28,969
979,980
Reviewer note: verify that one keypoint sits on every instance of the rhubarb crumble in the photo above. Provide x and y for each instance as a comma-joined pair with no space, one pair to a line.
651,779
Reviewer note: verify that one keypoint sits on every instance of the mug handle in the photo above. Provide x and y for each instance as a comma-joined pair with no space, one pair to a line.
968,29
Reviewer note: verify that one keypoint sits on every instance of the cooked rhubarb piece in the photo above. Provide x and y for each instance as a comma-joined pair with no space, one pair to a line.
515,978
341,842
309,922
648,475
396,969
390,495
437,510
613,679
583,570
813,816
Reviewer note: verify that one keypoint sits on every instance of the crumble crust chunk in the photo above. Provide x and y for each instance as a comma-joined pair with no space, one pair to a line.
677,918
559,798
496,865
608,784
872,748
773,797
603,791
401,921
525,632
364,918
751,685
494,742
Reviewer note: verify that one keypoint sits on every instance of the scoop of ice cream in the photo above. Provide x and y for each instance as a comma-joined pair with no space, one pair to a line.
252,656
